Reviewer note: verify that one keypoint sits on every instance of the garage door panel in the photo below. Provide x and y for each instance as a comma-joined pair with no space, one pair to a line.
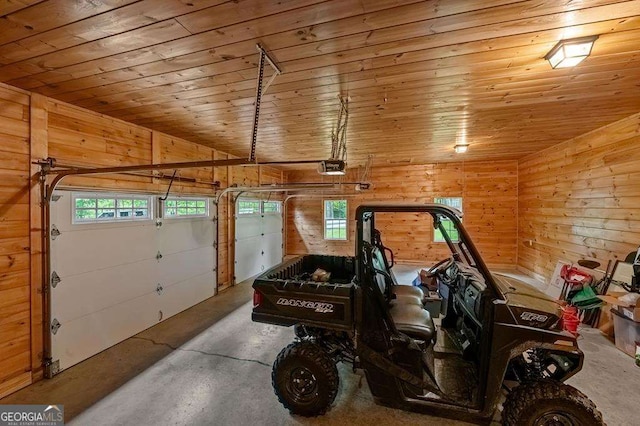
272,248
83,337
272,241
108,248
176,267
248,226
272,224
248,260
180,234
182,295
82,294
61,212
258,243
114,286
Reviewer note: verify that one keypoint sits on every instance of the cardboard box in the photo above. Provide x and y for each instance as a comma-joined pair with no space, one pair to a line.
630,311
633,312
424,279
605,325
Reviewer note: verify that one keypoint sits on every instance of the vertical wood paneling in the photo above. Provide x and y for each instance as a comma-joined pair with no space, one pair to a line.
489,192
174,150
581,199
38,151
221,175
15,289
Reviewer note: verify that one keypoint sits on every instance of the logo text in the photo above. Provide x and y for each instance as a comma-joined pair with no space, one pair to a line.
530,316
319,307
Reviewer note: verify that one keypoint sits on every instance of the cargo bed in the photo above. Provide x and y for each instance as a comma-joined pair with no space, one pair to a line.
288,296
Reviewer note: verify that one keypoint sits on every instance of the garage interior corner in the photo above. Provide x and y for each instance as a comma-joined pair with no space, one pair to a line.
211,364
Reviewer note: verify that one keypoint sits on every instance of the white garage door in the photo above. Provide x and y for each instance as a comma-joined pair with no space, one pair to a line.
118,270
258,237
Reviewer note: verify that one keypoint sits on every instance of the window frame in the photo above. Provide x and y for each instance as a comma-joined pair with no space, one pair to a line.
78,195
261,207
254,212
324,220
276,212
438,200
177,216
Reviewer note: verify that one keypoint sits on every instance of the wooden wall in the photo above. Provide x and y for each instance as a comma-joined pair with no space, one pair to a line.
581,199
33,127
15,291
489,192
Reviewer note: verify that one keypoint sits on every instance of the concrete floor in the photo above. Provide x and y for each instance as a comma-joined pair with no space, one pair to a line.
212,365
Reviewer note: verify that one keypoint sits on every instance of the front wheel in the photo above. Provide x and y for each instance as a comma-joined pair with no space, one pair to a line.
305,379
549,403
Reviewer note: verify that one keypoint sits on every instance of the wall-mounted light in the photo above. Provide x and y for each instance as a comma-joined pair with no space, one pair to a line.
569,53
461,148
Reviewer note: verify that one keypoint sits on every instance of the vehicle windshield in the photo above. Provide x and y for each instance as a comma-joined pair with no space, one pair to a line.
453,236
443,234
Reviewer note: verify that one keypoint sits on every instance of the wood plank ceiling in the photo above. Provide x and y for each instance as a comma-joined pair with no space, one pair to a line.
421,75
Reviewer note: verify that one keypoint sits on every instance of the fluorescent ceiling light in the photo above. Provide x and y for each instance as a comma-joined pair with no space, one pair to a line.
461,148
569,53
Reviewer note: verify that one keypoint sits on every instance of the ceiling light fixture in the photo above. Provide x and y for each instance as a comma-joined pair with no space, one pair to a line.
461,148
569,53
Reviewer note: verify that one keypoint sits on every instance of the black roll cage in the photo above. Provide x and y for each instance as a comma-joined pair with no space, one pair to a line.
366,213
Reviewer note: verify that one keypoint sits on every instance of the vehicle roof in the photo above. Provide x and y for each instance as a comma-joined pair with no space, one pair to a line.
409,207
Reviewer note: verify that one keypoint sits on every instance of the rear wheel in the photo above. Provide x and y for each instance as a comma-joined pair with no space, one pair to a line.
549,403
305,379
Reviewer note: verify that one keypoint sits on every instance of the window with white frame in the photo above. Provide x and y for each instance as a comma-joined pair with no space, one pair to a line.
257,207
271,207
186,207
335,219
455,202
248,207
92,208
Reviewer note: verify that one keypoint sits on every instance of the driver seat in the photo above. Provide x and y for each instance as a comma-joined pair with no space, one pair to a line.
407,291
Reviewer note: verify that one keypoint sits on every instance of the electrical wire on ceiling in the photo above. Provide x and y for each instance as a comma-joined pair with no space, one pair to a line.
366,171
339,133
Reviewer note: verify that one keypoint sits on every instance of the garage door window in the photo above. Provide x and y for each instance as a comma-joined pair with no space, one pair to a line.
270,207
92,208
249,207
335,219
186,207
455,202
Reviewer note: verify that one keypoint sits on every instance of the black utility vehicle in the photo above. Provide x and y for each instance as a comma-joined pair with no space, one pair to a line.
495,335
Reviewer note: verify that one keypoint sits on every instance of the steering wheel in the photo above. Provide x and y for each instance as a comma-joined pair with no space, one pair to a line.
439,267
437,272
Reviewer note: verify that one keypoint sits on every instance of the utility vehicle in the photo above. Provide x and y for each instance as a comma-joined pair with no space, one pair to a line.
495,335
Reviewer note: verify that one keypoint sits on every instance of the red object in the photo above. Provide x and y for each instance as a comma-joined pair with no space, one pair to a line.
574,279
257,298
574,276
570,320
